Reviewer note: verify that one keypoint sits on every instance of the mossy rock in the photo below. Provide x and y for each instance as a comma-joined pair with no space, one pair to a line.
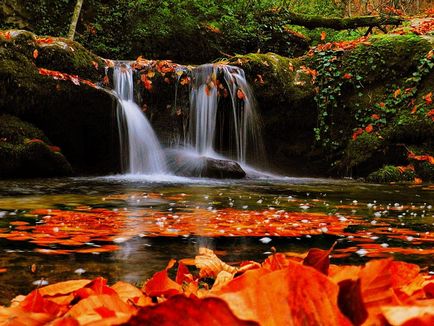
70,57
362,149
55,53
390,173
389,57
24,151
410,128
280,77
78,118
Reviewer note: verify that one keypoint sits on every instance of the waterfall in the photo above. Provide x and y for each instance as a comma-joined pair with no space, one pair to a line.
141,152
222,114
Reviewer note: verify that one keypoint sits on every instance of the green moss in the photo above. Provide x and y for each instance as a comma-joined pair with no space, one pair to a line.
362,149
410,128
389,57
19,157
16,131
390,173
70,57
281,76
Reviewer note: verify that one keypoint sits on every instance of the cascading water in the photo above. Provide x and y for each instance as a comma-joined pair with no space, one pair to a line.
140,150
231,130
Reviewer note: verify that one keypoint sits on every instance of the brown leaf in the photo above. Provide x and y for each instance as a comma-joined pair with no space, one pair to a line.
319,259
350,301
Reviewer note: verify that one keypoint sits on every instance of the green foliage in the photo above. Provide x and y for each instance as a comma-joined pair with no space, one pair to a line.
390,173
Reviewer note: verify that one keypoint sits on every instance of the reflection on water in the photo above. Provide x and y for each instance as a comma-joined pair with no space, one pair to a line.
129,227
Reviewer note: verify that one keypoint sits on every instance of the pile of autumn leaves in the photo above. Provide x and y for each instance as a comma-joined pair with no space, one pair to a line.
283,290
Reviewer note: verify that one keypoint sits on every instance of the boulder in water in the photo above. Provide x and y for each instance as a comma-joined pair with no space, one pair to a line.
189,164
221,169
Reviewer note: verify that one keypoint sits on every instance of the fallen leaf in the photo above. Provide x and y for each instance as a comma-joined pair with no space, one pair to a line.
310,297
161,285
350,301
319,259
210,265
183,311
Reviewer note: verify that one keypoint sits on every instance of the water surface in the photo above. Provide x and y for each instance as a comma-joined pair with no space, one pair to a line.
127,228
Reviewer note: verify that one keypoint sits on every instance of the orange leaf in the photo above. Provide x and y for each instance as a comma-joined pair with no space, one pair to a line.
66,321
161,285
347,76
376,282
375,116
183,311
99,286
428,98
403,273
323,35
397,93
87,306
310,297
369,128
35,302
240,94
35,53
276,262
63,287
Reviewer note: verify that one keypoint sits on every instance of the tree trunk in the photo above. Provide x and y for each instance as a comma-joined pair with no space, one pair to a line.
74,20
336,23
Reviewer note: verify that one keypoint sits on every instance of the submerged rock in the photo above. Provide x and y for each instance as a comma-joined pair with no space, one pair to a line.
189,164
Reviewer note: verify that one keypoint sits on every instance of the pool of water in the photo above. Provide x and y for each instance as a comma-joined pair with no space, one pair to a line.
127,228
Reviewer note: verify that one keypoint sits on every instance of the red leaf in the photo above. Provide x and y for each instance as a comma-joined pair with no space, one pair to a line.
35,53
99,286
347,76
319,259
357,133
35,302
375,116
182,311
429,290
183,274
161,285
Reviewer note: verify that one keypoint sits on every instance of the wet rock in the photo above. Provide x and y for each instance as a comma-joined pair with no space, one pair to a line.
189,164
